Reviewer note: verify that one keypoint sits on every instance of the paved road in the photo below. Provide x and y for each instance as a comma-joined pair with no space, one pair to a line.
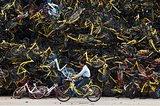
108,101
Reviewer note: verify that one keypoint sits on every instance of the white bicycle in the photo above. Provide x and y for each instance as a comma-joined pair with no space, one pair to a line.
35,91
49,8
49,90
65,71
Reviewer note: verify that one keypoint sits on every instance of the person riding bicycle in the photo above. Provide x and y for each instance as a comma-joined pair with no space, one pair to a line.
85,73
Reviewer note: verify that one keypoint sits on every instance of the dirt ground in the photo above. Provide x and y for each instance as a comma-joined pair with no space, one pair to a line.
108,101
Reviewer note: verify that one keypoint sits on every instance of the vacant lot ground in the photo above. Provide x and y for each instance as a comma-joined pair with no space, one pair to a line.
108,101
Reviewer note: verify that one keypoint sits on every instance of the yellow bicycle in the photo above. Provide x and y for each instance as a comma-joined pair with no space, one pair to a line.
64,92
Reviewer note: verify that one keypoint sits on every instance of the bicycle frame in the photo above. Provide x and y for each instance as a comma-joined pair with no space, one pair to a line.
112,5
25,62
53,62
132,82
72,87
52,10
49,90
7,6
22,15
26,87
149,84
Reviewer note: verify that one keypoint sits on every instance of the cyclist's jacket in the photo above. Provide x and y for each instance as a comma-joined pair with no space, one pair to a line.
85,72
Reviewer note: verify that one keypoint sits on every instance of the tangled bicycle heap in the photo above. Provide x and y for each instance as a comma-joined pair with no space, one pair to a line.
118,38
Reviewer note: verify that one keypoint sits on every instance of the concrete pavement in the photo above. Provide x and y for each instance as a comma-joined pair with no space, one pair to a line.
108,101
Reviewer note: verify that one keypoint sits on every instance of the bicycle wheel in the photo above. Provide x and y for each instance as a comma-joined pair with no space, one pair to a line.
63,93
76,15
68,72
12,24
22,54
98,63
153,94
87,38
26,41
55,78
104,77
2,91
96,93
158,93
131,91
107,90
15,50
33,9
9,55
62,60
4,73
39,92
67,15
18,92
38,51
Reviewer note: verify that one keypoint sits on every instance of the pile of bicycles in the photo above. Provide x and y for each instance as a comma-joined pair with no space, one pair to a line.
46,39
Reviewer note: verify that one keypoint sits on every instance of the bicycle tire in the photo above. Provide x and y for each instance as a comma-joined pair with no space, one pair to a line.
60,93
158,93
41,92
55,78
2,91
153,94
38,51
4,73
13,74
97,93
76,15
12,24
15,51
104,77
131,91
107,88
62,60
67,15
18,92
26,41
98,63
107,37
9,55
87,38
23,54
33,9
46,62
